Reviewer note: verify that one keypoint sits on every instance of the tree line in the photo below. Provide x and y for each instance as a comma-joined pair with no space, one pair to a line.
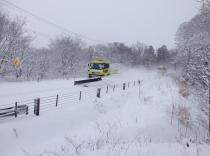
193,53
66,56
193,47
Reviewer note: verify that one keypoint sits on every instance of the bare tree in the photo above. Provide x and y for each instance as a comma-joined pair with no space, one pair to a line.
14,42
193,45
66,53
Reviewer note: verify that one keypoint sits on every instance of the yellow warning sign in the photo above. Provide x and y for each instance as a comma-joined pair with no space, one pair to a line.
16,62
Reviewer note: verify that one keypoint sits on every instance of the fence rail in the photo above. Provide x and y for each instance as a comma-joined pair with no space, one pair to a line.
43,104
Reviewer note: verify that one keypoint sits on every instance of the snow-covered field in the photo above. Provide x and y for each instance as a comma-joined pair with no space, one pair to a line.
136,121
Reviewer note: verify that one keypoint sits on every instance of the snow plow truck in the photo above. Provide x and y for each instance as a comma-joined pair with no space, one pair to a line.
99,68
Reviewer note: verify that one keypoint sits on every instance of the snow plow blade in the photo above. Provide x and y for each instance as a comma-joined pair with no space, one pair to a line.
87,81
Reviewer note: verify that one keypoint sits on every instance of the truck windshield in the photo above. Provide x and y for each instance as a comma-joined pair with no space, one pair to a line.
97,66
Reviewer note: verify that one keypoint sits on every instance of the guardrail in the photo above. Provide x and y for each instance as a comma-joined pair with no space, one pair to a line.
43,104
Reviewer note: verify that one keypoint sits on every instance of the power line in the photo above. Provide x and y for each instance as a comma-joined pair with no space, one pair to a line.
45,35
48,22
40,33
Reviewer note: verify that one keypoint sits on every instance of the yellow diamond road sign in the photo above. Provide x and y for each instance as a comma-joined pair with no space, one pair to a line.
16,62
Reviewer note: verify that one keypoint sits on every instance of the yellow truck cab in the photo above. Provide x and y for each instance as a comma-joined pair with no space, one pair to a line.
99,67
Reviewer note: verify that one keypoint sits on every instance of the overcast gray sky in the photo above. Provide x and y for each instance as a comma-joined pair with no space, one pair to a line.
153,22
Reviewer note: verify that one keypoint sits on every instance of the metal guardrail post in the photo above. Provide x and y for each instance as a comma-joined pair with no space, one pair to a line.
27,110
124,84
36,106
80,95
98,92
139,82
56,100
16,109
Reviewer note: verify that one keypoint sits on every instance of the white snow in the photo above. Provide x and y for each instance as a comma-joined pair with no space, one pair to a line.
131,122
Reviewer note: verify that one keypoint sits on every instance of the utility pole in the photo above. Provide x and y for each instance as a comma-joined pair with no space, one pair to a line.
208,74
